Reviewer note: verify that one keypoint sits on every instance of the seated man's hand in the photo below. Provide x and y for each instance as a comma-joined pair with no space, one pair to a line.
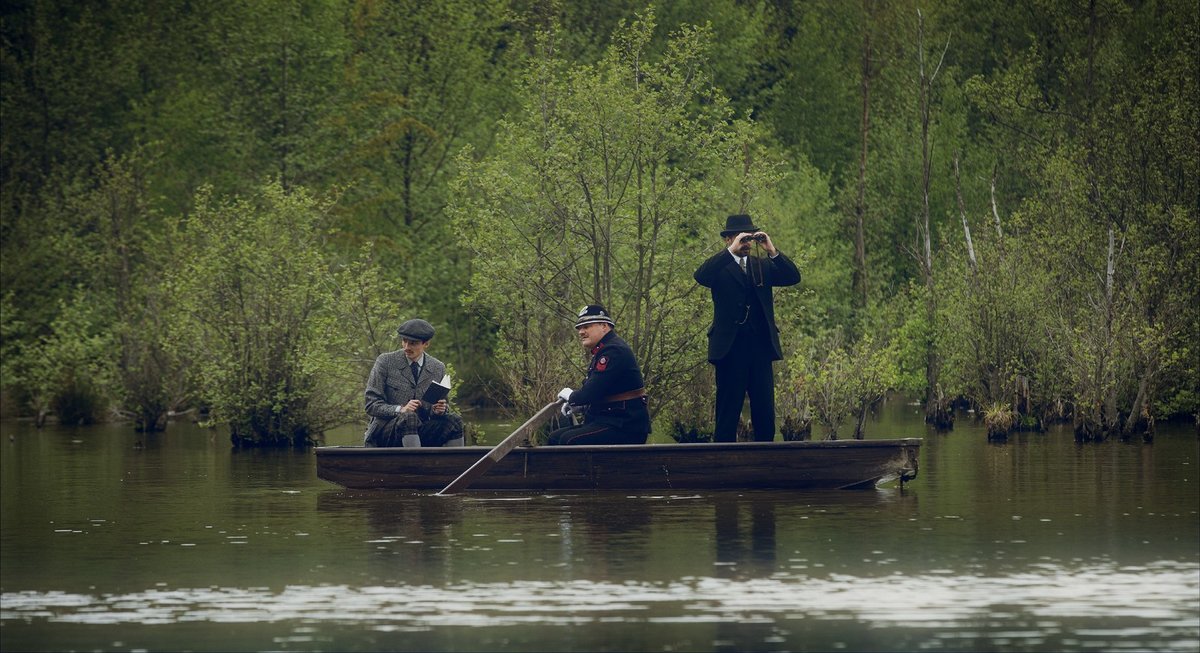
440,407
411,406
565,394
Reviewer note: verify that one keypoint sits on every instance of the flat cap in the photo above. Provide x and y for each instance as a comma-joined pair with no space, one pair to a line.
416,329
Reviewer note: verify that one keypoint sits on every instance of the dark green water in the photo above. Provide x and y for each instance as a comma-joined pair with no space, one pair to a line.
114,541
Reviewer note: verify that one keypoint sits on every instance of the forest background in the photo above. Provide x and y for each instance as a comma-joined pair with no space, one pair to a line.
227,207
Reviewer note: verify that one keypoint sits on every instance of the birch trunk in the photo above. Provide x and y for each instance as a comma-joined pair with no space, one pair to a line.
935,410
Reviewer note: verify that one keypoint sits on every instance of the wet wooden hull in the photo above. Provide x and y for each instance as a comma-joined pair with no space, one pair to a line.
839,464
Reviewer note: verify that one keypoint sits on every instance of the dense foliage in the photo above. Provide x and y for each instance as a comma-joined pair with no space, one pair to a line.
225,207
272,327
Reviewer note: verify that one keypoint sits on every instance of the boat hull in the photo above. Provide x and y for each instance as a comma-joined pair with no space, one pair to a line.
837,464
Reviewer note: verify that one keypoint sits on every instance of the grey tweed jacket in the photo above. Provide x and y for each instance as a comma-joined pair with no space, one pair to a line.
391,385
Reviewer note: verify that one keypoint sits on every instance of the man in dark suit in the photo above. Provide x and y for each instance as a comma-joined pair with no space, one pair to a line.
743,340
393,396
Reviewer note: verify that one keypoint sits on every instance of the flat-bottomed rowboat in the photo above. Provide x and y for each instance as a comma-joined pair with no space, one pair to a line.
834,464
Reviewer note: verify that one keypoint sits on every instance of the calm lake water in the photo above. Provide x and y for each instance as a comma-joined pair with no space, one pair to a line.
111,540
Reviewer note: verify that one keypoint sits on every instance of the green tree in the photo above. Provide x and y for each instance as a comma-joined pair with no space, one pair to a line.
814,105
421,81
601,190
100,241
68,371
117,247
68,72
835,381
278,335
1092,112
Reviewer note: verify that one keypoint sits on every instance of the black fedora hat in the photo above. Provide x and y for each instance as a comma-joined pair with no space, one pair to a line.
736,224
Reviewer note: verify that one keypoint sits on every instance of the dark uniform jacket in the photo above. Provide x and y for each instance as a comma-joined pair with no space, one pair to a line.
612,372
391,385
738,299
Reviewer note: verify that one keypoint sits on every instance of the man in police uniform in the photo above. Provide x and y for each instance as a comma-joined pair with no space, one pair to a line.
612,398
393,396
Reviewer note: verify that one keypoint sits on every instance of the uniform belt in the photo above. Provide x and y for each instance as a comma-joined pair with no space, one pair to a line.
625,396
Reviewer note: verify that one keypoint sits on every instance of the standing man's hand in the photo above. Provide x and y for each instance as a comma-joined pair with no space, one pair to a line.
767,244
741,244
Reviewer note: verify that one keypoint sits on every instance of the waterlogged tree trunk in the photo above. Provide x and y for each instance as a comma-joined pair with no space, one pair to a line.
1099,417
861,423
143,364
1022,406
1107,373
1093,422
984,369
936,410
1139,414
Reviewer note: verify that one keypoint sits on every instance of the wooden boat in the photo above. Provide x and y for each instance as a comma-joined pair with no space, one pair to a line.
836,464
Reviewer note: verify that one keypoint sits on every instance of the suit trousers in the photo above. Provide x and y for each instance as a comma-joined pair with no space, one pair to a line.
594,433
409,430
746,370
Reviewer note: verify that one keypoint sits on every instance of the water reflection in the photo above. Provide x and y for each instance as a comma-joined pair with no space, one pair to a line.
410,536
254,469
1038,544
604,536
745,536
595,536
745,550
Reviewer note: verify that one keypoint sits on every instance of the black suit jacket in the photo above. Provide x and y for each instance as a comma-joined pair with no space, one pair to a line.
722,276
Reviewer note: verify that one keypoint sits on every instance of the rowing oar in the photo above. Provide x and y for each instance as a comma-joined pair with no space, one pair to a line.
501,450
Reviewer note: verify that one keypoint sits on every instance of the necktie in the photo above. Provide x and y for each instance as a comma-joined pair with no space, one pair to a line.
742,263
416,369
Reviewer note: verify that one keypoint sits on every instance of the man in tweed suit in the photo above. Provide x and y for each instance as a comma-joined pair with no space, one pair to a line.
393,397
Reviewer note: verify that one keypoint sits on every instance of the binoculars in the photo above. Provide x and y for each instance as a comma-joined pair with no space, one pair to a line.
762,238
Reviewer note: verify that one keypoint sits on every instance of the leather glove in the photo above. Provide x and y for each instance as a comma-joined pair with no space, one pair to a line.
565,394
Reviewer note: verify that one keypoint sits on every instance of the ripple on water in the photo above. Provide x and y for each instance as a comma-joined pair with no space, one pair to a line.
1117,607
